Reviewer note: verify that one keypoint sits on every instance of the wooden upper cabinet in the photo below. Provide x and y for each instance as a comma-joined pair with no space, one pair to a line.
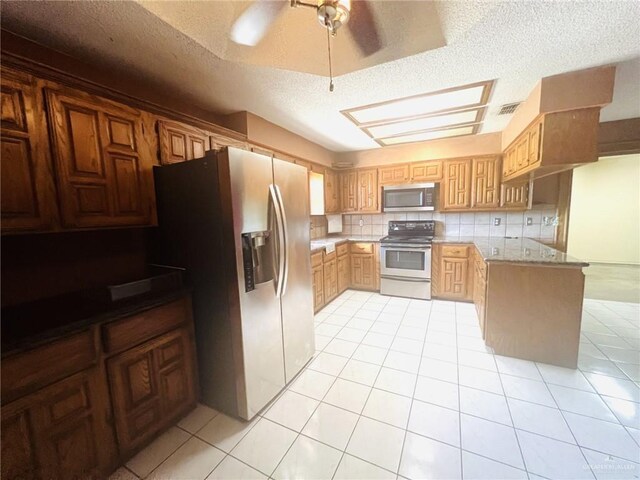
553,143
331,192
515,195
349,191
368,190
179,142
103,161
393,175
27,190
456,191
485,187
425,171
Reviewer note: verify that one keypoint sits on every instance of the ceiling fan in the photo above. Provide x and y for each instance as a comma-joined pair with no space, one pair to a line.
253,23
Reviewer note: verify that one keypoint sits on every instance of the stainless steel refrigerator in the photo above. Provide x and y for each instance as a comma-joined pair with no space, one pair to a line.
238,222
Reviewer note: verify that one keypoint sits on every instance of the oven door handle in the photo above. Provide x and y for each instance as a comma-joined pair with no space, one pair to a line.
406,248
407,279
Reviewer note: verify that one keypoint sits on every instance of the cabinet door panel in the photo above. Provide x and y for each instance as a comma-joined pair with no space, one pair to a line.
18,457
331,192
454,273
486,182
368,190
515,195
396,174
348,191
426,171
71,436
28,200
180,142
318,287
363,271
100,159
126,185
343,273
457,184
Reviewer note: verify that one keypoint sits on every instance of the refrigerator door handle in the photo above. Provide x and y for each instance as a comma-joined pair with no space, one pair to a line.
286,241
280,245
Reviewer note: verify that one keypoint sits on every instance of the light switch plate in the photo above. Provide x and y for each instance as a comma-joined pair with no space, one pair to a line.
496,221
529,220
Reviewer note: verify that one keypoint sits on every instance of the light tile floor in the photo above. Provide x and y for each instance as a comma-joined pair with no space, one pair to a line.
406,389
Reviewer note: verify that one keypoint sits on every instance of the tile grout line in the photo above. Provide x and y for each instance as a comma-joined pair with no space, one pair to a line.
324,396
344,452
458,389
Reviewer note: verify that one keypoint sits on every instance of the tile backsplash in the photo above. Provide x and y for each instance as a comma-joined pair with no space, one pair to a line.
481,224
319,226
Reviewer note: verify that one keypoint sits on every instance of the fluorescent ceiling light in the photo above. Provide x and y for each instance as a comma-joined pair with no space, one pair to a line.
420,137
469,96
425,123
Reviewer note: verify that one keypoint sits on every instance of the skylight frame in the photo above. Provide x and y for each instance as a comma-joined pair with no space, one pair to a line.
484,99
475,127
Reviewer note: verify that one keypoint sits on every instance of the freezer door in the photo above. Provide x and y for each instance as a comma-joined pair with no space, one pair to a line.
297,298
259,338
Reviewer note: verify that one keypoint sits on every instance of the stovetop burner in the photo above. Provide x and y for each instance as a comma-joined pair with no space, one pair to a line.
420,232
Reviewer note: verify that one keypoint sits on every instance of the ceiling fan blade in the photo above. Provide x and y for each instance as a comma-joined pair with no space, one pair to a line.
254,22
363,27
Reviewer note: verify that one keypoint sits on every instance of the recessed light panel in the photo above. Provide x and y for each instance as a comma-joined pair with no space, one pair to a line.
445,113
425,123
431,135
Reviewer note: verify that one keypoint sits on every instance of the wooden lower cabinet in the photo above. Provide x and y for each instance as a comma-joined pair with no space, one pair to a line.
363,270
61,431
451,275
72,410
330,278
317,278
151,385
344,274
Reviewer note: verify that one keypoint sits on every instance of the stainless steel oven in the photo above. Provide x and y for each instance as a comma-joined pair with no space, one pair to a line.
416,197
405,270
405,259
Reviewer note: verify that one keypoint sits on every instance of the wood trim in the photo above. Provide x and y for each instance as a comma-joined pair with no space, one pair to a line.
488,87
480,114
474,130
563,205
620,137
28,56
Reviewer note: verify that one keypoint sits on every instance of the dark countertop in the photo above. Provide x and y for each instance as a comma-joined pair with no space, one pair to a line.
27,325
515,250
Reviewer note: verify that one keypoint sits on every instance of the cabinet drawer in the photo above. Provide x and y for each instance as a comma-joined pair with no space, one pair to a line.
362,248
342,249
131,331
327,257
458,251
316,259
28,371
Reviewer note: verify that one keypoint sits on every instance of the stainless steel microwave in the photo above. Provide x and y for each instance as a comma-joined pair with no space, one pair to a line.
413,197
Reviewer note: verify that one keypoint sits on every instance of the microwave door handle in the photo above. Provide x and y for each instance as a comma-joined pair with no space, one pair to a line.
285,242
279,234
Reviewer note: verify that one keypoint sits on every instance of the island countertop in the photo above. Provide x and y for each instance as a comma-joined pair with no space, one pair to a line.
515,250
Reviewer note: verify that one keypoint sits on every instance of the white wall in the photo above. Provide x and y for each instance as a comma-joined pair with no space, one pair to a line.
604,221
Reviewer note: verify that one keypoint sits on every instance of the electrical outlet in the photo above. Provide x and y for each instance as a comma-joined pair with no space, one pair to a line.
529,220
496,221
361,222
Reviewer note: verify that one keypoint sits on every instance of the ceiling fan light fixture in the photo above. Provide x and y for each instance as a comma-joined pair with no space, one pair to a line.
332,14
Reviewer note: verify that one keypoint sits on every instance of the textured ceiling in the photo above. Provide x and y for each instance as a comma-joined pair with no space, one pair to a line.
296,41
514,42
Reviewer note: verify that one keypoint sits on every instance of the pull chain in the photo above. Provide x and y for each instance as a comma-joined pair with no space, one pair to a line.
329,48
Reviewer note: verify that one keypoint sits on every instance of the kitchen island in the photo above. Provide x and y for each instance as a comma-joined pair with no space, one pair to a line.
528,296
